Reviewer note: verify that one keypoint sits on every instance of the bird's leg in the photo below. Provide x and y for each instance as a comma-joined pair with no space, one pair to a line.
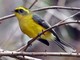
43,33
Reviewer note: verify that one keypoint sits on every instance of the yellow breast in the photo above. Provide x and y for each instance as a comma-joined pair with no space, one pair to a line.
32,29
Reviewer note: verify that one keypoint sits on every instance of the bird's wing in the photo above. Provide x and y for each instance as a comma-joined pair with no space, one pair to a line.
40,21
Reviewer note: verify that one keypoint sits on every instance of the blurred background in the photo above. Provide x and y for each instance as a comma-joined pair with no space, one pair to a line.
11,37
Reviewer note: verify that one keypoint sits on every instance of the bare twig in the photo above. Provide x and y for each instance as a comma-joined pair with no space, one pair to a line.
56,7
68,18
11,54
33,4
22,57
18,57
32,40
6,17
44,8
39,54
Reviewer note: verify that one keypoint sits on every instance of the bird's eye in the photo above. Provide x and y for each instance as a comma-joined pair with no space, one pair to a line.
21,11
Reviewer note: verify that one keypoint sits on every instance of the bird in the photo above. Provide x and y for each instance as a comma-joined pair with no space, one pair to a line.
32,25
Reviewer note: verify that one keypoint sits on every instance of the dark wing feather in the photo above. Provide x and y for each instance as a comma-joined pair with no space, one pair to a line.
44,41
40,21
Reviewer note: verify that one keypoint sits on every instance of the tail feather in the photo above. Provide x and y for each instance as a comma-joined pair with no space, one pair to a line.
61,44
65,46
60,41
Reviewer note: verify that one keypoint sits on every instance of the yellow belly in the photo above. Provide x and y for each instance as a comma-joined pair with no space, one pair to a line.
32,29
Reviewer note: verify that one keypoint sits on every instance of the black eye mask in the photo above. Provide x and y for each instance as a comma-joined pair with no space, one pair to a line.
21,11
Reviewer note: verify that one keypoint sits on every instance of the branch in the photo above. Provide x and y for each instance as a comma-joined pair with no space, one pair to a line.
22,57
25,47
44,8
39,54
68,18
11,54
6,17
56,7
33,4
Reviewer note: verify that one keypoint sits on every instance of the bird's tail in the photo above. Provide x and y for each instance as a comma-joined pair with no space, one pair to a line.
64,46
61,44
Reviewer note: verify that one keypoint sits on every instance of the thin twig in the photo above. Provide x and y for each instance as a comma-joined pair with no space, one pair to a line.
17,57
11,54
21,57
33,4
44,8
6,17
56,7
25,47
68,18
39,54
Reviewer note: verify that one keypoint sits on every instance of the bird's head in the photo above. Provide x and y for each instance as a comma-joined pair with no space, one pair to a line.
22,12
